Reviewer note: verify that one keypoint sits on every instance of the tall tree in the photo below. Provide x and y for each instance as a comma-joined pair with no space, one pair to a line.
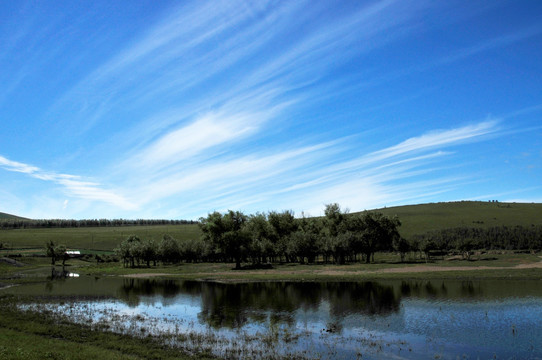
380,231
227,234
283,224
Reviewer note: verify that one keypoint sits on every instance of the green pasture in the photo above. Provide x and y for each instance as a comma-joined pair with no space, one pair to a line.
90,238
415,219
505,263
418,219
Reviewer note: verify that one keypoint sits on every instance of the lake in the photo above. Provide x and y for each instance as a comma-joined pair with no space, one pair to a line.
324,320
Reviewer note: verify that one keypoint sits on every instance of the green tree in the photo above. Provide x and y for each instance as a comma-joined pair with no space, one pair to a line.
129,251
148,251
50,249
282,225
169,250
56,252
380,231
227,234
193,250
401,246
60,253
260,231
333,219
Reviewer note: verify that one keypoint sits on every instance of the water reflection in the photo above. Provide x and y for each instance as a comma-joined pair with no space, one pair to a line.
132,290
234,305
440,289
405,319
61,274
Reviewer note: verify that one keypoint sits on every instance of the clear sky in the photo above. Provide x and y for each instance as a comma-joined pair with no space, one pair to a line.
173,109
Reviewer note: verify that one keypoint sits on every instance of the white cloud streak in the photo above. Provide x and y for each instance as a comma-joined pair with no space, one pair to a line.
308,176
73,185
302,178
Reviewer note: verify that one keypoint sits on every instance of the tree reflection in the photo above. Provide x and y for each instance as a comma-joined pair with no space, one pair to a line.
132,290
270,303
233,305
441,289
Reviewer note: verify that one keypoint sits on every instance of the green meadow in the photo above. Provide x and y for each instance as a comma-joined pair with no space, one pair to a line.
415,219
89,238
418,219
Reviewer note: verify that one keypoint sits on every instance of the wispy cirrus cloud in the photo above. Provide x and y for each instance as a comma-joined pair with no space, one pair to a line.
310,175
73,185
307,176
17,166
436,138
185,55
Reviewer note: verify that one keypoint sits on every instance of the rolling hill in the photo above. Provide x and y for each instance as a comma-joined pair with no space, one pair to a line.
4,216
417,219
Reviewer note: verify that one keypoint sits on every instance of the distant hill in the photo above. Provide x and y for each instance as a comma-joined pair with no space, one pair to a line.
419,219
4,216
415,219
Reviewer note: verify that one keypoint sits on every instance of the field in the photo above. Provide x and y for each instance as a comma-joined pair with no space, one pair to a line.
416,219
89,238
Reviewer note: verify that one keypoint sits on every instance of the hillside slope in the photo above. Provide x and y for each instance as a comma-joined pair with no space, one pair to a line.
4,216
417,219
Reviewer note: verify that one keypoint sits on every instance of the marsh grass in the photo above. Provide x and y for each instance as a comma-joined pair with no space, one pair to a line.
90,324
42,335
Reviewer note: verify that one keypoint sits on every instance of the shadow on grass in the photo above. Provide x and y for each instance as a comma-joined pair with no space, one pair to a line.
255,267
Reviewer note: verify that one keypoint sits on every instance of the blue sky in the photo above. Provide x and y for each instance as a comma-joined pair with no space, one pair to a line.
165,109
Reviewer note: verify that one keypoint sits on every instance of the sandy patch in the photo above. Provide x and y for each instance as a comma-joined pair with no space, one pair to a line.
145,275
397,270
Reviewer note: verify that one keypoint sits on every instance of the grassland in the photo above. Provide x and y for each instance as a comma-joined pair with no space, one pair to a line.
90,238
10,217
492,265
416,219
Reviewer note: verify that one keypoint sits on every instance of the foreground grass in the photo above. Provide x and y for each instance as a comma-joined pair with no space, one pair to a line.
27,335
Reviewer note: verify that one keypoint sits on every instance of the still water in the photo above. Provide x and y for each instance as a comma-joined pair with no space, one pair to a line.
323,320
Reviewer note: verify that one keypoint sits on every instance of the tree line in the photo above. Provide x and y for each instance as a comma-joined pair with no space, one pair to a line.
7,224
467,239
233,236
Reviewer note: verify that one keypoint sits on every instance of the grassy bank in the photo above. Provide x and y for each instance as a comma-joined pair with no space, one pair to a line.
491,265
498,265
